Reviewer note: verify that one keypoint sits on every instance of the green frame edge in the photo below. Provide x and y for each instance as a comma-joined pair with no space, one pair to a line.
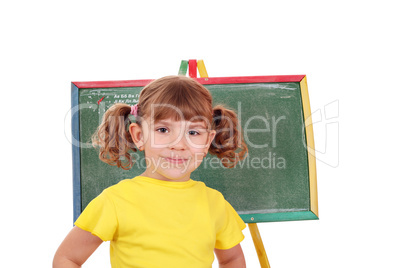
280,216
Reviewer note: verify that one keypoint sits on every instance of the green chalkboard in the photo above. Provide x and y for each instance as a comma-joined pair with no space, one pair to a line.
275,182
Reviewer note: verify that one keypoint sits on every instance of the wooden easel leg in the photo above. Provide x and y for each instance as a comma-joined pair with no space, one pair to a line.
183,67
259,246
192,66
201,69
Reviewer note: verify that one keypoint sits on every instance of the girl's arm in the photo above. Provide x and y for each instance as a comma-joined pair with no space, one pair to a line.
231,258
76,248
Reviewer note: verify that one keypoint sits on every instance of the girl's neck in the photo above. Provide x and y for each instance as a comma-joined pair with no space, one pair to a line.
160,177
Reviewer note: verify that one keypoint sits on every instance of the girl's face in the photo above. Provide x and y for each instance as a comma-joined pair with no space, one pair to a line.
173,149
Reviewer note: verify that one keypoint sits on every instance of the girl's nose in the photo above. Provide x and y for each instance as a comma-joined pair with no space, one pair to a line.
179,143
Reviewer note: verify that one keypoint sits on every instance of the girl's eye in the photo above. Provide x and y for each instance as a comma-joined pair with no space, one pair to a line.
162,130
193,132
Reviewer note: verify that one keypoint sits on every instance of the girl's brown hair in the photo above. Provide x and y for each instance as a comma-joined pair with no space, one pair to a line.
179,98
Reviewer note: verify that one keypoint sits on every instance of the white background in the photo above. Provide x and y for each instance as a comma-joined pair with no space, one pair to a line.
349,50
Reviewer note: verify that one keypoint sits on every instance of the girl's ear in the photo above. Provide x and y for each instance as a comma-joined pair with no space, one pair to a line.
211,137
137,134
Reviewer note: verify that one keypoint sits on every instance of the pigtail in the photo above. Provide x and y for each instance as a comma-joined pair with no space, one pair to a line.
113,138
228,144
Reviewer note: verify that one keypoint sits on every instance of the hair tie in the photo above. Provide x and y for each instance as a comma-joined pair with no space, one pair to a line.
134,110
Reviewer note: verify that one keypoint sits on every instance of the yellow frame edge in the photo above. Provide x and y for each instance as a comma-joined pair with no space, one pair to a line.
308,123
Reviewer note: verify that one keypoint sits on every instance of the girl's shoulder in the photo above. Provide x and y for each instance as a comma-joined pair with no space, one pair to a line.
212,193
119,188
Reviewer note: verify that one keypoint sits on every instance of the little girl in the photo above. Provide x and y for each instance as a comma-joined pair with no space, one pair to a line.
162,218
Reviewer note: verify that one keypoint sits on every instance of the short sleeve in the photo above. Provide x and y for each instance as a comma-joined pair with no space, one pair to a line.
230,234
99,218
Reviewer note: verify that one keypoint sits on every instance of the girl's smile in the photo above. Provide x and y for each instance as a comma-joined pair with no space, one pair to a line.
176,160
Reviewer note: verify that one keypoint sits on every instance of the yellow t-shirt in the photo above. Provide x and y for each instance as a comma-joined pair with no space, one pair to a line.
153,223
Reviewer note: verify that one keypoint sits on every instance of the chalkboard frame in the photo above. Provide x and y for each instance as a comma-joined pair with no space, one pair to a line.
310,214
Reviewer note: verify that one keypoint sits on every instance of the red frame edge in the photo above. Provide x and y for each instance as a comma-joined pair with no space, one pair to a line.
116,83
204,81
250,79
